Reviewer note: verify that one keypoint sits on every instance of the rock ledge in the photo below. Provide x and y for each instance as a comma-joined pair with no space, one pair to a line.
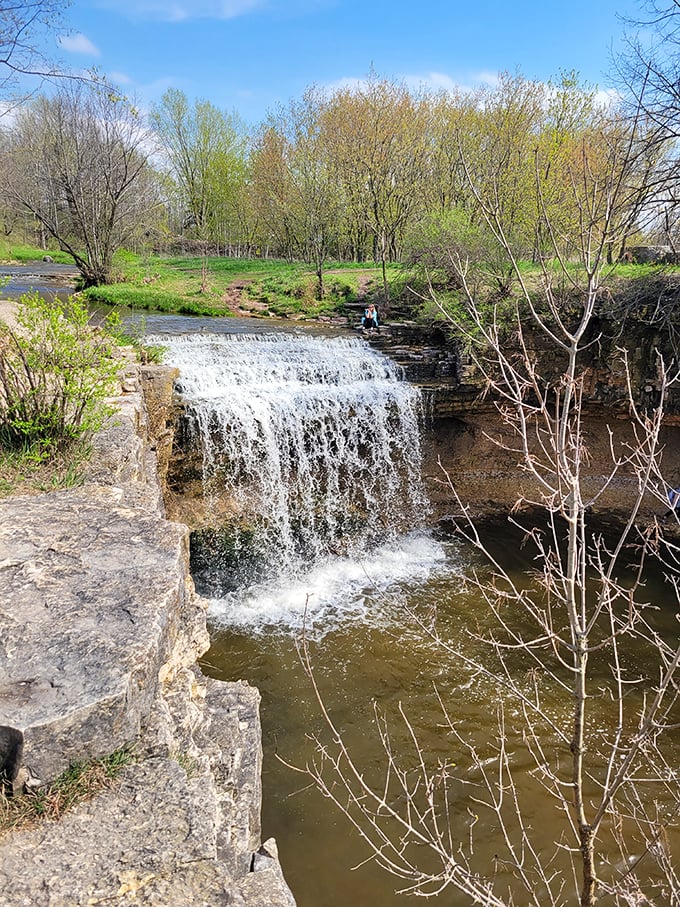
99,634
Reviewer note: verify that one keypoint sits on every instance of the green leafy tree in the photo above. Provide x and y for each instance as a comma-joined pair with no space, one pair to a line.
205,150
377,143
296,187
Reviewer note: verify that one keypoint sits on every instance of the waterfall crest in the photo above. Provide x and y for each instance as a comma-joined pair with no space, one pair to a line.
314,440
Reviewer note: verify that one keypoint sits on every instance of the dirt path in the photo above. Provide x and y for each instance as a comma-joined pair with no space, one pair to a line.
239,303
364,278
8,312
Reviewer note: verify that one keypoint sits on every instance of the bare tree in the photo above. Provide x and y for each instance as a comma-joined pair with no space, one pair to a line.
77,162
25,59
648,73
591,727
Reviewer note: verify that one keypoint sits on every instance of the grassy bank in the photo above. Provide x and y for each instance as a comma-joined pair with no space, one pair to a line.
233,286
227,286
222,286
19,252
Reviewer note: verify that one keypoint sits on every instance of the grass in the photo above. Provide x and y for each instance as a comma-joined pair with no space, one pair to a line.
213,286
27,472
223,286
220,286
20,252
153,299
80,782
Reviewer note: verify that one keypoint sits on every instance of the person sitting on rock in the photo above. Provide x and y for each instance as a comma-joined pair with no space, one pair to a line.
370,318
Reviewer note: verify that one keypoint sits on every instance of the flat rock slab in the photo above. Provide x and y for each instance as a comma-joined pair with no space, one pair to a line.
99,631
173,830
94,595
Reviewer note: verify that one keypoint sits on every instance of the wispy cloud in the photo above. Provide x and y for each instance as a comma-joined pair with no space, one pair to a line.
439,81
149,93
78,44
607,97
119,78
435,81
8,113
430,81
183,10
352,82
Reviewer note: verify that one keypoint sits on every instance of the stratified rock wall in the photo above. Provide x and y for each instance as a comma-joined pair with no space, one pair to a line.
99,634
472,461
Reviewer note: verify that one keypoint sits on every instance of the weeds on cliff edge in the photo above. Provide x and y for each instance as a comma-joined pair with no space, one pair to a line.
80,782
22,473
133,333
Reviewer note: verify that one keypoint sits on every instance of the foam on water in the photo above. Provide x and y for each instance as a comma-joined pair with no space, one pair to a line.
337,590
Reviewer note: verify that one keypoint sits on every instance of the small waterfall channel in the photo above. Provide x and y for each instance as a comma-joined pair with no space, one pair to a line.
310,452
310,446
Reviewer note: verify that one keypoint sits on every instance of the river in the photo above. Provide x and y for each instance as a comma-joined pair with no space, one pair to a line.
47,278
314,440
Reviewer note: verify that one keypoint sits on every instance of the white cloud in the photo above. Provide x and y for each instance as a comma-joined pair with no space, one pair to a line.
119,78
435,81
182,10
439,81
8,113
351,82
78,44
607,97
431,81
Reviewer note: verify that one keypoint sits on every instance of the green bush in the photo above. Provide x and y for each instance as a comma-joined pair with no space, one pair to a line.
56,372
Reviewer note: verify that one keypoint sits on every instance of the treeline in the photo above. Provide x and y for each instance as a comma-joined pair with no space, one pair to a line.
372,172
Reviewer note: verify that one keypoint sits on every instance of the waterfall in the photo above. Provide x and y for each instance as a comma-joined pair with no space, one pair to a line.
314,443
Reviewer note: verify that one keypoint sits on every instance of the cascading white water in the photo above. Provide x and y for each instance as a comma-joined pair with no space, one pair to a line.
314,441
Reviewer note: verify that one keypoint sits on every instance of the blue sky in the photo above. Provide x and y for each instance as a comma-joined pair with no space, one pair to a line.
250,55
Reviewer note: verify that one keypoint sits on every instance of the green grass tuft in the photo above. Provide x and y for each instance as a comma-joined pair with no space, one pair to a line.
19,252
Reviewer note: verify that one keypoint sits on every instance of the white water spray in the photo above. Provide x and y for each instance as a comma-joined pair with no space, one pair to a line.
314,440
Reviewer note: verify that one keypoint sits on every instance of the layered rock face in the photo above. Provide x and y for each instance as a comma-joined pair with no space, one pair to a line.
99,634
469,456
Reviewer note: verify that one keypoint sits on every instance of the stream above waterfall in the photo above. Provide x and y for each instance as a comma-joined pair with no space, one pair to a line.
313,439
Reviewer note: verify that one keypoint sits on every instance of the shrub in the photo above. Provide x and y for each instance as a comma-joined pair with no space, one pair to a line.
56,372
450,249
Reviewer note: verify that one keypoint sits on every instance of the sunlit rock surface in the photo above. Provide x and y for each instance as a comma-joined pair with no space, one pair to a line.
99,633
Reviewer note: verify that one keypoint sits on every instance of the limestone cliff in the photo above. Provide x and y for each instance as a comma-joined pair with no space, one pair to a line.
468,446
99,635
